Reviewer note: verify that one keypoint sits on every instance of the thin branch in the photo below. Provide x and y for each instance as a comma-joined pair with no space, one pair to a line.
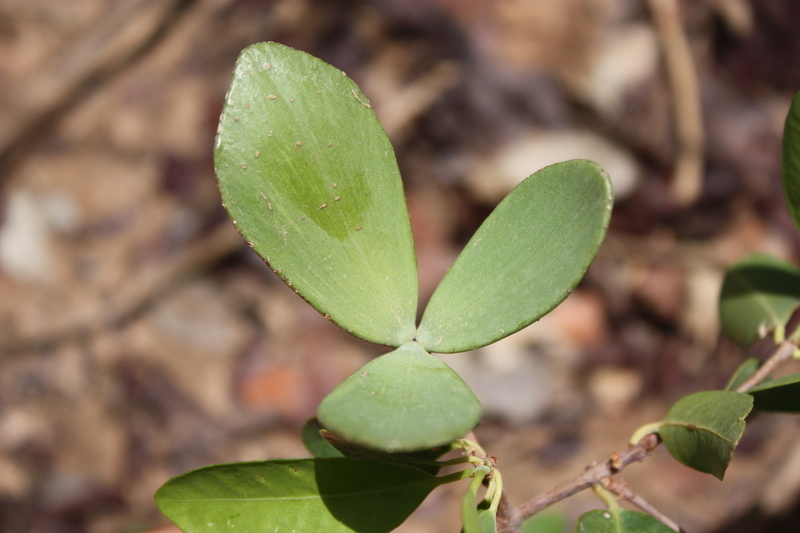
687,179
621,489
781,355
602,473
595,474
508,519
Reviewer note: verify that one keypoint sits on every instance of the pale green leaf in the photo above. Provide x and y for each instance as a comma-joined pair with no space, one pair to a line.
759,293
403,401
790,162
331,495
607,521
702,430
524,259
310,180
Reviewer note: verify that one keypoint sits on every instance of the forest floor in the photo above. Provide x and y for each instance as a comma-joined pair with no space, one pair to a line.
140,337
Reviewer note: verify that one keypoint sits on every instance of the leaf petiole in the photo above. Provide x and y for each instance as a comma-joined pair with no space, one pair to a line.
645,430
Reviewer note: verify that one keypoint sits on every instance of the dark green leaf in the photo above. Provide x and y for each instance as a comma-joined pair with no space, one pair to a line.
403,401
316,444
625,522
743,373
779,395
309,178
759,293
702,430
524,259
790,163
330,495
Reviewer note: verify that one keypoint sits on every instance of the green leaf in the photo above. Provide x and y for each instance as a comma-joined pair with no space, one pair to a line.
600,521
702,430
790,162
469,505
545,522
403,401
309,178
487,518
745,371
778,395
423,459
759,293
330,495
317,445
524,259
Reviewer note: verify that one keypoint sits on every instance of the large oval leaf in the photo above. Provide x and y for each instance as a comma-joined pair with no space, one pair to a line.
524,259
309,178
790,162
619,521
330,495
759,293
779,395
403,401
702,430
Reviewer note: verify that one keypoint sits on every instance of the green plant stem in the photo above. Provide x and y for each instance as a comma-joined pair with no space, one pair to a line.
780,356
495,491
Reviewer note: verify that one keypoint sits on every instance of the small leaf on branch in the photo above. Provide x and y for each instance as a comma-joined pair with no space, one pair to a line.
702,430
760,293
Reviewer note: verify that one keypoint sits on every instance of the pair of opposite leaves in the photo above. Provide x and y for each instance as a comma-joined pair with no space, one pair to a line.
310,180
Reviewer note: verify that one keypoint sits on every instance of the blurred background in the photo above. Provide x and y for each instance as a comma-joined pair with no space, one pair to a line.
140,337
